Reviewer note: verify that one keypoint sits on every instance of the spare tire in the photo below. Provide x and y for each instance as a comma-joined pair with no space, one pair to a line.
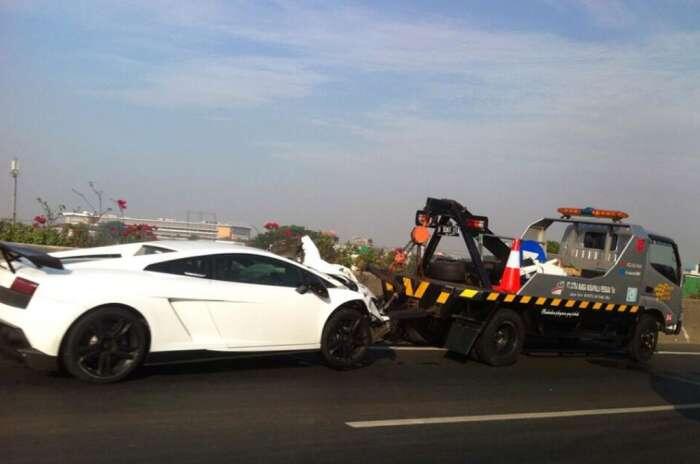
450,270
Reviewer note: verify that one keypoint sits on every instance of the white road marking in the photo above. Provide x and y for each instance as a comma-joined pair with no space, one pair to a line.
685,334
680,353
520,416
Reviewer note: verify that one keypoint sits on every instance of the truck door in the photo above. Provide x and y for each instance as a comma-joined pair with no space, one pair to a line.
663,276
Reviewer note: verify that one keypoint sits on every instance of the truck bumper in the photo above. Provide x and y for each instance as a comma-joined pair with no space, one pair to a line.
14,345
679,327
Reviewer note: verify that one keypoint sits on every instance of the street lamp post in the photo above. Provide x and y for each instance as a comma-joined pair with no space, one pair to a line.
14,172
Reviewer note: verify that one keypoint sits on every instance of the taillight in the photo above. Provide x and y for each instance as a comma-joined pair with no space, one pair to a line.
24,286
476,224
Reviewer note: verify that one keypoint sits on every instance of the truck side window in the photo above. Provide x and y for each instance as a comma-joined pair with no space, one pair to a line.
596,240
662,257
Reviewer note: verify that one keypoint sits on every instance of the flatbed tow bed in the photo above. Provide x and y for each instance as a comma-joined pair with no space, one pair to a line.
617,284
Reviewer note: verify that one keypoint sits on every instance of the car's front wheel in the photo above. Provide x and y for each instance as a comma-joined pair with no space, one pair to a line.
345,339
105,346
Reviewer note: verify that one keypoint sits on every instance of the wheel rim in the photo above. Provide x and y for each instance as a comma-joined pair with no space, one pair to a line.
647,341
109,347
347,340
505,338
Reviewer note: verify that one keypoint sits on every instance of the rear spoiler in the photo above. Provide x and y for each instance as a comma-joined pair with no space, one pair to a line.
36,257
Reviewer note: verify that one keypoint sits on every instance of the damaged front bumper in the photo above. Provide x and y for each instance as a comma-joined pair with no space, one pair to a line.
14,345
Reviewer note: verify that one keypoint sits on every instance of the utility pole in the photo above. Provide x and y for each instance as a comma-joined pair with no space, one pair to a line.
14,172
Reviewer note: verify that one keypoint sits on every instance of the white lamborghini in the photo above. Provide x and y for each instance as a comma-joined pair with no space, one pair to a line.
101,312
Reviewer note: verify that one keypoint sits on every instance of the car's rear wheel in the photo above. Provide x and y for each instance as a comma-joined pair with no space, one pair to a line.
345,339
646,334
105,346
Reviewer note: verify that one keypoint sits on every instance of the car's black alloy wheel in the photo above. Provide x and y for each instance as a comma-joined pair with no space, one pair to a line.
345,339
105,346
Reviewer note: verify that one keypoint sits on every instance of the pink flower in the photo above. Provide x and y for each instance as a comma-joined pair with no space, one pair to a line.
271,225
40,220
121,204
288,233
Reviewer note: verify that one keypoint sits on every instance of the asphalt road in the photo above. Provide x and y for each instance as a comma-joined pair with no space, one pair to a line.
291,409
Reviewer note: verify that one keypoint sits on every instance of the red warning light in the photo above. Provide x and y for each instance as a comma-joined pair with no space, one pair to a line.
641,245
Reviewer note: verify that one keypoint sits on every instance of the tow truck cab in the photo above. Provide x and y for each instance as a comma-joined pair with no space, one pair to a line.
600,279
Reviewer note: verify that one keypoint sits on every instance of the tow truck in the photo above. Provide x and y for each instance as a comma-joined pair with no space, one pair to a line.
612,283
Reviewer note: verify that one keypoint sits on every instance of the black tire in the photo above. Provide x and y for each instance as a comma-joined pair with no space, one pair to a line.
449,270
643,343
346,339
502,339
105,345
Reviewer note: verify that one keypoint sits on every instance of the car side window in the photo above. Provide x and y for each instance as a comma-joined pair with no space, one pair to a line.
662,257
198,266
256,269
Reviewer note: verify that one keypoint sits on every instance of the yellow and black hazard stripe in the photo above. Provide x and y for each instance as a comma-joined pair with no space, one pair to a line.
440,294
563,303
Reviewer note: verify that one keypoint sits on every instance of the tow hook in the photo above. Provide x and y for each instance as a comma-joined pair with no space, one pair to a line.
380,330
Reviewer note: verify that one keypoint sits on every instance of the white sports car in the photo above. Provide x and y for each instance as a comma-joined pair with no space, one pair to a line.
99,313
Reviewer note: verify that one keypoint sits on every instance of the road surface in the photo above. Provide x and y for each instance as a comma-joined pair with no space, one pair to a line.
407,406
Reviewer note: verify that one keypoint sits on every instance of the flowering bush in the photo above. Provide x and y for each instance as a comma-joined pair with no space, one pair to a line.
286,240
138,233
34,234
121,205
40,220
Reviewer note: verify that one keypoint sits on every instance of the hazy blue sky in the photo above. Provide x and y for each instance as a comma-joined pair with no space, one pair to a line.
347,115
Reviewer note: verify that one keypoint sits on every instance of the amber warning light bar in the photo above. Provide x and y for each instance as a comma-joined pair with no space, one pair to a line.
593,212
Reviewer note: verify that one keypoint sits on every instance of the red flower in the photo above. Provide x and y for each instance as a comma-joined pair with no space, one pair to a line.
271,225
400,257
121,204
288,233
40,220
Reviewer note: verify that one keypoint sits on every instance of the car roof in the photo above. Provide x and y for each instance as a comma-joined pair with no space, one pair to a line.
187,245
180,250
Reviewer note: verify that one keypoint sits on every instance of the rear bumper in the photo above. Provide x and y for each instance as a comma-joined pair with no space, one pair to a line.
14,345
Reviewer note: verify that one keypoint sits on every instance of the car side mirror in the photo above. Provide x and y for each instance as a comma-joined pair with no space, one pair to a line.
315,285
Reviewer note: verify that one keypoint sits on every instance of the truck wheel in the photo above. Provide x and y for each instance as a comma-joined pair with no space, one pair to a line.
345,339
646,334
502,340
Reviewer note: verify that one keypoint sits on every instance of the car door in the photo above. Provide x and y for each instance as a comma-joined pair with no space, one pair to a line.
255,303
186,285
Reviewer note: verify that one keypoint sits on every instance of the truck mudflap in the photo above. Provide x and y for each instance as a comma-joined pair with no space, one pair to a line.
463,334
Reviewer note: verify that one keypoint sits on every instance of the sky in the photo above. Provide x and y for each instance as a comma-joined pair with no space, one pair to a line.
347,115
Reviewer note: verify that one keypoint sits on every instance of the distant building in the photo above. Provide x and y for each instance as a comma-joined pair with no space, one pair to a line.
361,241
169,229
